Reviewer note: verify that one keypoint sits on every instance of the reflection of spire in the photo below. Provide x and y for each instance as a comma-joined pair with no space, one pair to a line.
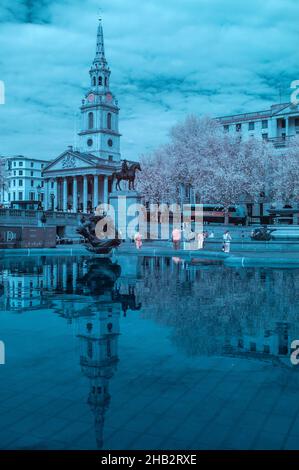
98,359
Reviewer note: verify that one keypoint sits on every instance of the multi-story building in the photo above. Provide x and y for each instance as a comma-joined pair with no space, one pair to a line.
277,124
22,180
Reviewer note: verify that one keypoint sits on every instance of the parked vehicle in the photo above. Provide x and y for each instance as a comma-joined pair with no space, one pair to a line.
213,213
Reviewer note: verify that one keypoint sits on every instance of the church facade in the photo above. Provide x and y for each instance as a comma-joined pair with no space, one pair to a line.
81,178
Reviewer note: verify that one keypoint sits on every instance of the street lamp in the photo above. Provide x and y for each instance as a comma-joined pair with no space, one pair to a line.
38,188
52,197
78,201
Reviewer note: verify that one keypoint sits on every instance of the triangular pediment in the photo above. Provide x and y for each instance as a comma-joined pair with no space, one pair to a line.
69,160
288,109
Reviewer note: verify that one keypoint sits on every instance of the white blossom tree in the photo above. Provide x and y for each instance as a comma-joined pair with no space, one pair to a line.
219,167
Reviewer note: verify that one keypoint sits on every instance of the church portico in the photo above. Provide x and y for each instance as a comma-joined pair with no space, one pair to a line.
77,193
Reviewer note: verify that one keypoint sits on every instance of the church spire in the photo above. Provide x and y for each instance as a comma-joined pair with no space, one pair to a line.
100,72
100,51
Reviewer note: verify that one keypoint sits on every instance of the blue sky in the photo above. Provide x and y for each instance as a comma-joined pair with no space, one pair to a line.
168,59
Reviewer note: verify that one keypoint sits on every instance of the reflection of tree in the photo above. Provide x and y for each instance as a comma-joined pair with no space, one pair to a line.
222,310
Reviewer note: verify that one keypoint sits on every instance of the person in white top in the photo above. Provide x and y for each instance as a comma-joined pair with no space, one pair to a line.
200,240
226,241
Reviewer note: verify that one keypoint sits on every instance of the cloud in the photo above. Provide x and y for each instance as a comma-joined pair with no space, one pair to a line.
168,59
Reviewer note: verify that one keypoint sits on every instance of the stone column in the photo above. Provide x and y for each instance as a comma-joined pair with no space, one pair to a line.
105,193
85,195
64,201
95,191
75,194
55,194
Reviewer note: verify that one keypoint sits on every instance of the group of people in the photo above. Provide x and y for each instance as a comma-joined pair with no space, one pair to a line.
196,240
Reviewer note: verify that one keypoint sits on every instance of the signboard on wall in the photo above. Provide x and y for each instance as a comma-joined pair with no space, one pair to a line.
27,237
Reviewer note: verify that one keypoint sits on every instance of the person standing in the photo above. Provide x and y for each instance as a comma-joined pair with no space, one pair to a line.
226,241
176,238
200,240
138,240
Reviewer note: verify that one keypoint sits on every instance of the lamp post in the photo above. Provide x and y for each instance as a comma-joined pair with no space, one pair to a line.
38,188
52,197
78,201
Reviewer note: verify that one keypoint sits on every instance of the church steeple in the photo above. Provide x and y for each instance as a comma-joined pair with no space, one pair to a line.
99,71
99,132
100,51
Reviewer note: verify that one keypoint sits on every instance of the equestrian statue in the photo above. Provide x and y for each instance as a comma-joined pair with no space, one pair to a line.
127,173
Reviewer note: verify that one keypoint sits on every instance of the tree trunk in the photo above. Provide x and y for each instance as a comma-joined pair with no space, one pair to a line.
226,220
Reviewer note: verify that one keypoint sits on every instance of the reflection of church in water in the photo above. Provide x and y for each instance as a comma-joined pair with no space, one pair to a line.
236,312
92,295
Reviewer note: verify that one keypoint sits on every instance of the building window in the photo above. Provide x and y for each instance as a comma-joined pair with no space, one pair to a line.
9,197
20,172
297,122
31,196
20,163
94,82
265,124
14,172
14,163
110,158
42,184
106,81
14,182
31,173
52,184
265,136
266,349
281,123
42,165
251,126
110,143
89,142
13,196
238,127
20,196
32,164
100,81
109,119
90,120
20,182
226,128
32,183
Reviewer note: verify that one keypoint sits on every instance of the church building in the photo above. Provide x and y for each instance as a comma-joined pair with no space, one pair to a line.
80,178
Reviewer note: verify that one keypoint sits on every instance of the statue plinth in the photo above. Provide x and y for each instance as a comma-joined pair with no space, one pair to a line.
126,206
